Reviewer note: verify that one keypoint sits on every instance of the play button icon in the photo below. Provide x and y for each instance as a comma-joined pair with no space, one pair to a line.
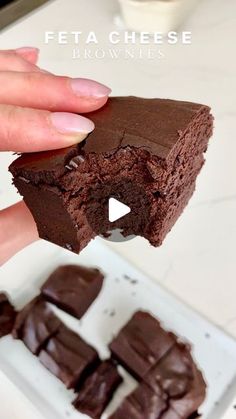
117,210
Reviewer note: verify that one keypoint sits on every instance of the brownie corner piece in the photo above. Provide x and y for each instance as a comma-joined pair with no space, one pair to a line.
179,377
7,315
147,153
73,288
67,356
141,343
97,391
188,405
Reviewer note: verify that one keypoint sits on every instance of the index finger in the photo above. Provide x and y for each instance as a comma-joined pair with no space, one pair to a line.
53,93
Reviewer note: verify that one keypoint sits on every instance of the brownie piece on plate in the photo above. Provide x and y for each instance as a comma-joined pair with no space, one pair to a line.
68,357
141,343
187,406
35,324
177,374
174,373
97,391
7,315
163,364
73,288
146,153
142,403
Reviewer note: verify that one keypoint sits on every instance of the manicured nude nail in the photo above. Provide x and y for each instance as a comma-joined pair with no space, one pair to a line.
89,88
70,123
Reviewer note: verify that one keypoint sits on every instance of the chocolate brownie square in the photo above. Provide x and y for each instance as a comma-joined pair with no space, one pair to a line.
7,315
177,375
97,391
162,363
68,357
35,324
141,343
146,153
173,373
142,403
73,288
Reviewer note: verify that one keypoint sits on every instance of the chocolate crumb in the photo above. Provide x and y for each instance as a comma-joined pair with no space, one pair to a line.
134,281
24,179
68,167
69,247
130,280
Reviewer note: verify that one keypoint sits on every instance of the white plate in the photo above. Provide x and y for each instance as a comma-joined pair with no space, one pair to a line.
214,351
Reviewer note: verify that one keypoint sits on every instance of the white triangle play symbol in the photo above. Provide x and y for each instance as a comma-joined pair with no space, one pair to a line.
117,210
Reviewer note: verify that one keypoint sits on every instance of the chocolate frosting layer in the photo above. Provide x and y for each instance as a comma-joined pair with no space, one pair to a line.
154,125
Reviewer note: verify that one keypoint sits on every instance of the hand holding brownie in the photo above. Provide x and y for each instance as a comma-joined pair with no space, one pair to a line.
31,121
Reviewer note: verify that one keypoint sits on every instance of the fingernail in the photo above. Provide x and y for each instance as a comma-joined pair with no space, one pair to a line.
70,123
88,88
25,50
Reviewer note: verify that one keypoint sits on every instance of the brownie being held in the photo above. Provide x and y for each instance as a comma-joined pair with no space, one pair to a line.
146,153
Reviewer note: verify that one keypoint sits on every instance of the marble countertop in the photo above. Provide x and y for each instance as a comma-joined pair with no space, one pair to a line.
197,261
